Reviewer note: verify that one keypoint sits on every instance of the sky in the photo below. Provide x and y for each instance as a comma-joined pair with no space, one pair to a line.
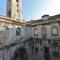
2,7
34,9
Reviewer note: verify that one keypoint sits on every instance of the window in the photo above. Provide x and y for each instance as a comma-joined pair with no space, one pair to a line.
17,1
54,31
36,32
17,10
9,13
44,32
18,31
17,5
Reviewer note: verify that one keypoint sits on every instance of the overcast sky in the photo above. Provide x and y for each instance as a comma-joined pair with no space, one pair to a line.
34,9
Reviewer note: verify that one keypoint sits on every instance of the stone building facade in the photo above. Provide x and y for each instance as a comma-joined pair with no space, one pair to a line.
45,37
10,34
10,29
38,38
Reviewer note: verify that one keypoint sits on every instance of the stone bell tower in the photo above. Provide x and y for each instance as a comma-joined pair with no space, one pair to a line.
14,10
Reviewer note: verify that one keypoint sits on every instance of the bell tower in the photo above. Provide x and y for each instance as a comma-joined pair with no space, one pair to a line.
14,9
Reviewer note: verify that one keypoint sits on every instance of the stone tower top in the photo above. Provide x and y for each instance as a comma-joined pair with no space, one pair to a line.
14,9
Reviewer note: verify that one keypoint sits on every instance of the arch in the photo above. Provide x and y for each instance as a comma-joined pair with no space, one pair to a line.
18,31
54,30
20,54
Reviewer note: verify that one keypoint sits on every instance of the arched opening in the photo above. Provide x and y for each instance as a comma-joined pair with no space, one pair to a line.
20,54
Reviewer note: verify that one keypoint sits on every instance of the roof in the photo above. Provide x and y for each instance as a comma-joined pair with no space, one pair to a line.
40,20
45,15
54,17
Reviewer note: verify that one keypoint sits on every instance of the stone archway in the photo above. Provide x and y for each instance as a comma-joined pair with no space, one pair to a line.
20,54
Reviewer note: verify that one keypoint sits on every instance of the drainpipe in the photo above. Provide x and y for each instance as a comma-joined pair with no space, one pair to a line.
10,53
3,54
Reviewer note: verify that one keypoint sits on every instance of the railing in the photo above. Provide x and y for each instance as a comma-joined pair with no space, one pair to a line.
13,42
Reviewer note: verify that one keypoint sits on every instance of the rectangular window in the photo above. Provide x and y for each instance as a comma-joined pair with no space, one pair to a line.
17,1
54,31
17,5
44,32
9,13
18,31
35,32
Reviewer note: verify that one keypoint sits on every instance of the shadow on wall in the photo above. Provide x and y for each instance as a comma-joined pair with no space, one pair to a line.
20,54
